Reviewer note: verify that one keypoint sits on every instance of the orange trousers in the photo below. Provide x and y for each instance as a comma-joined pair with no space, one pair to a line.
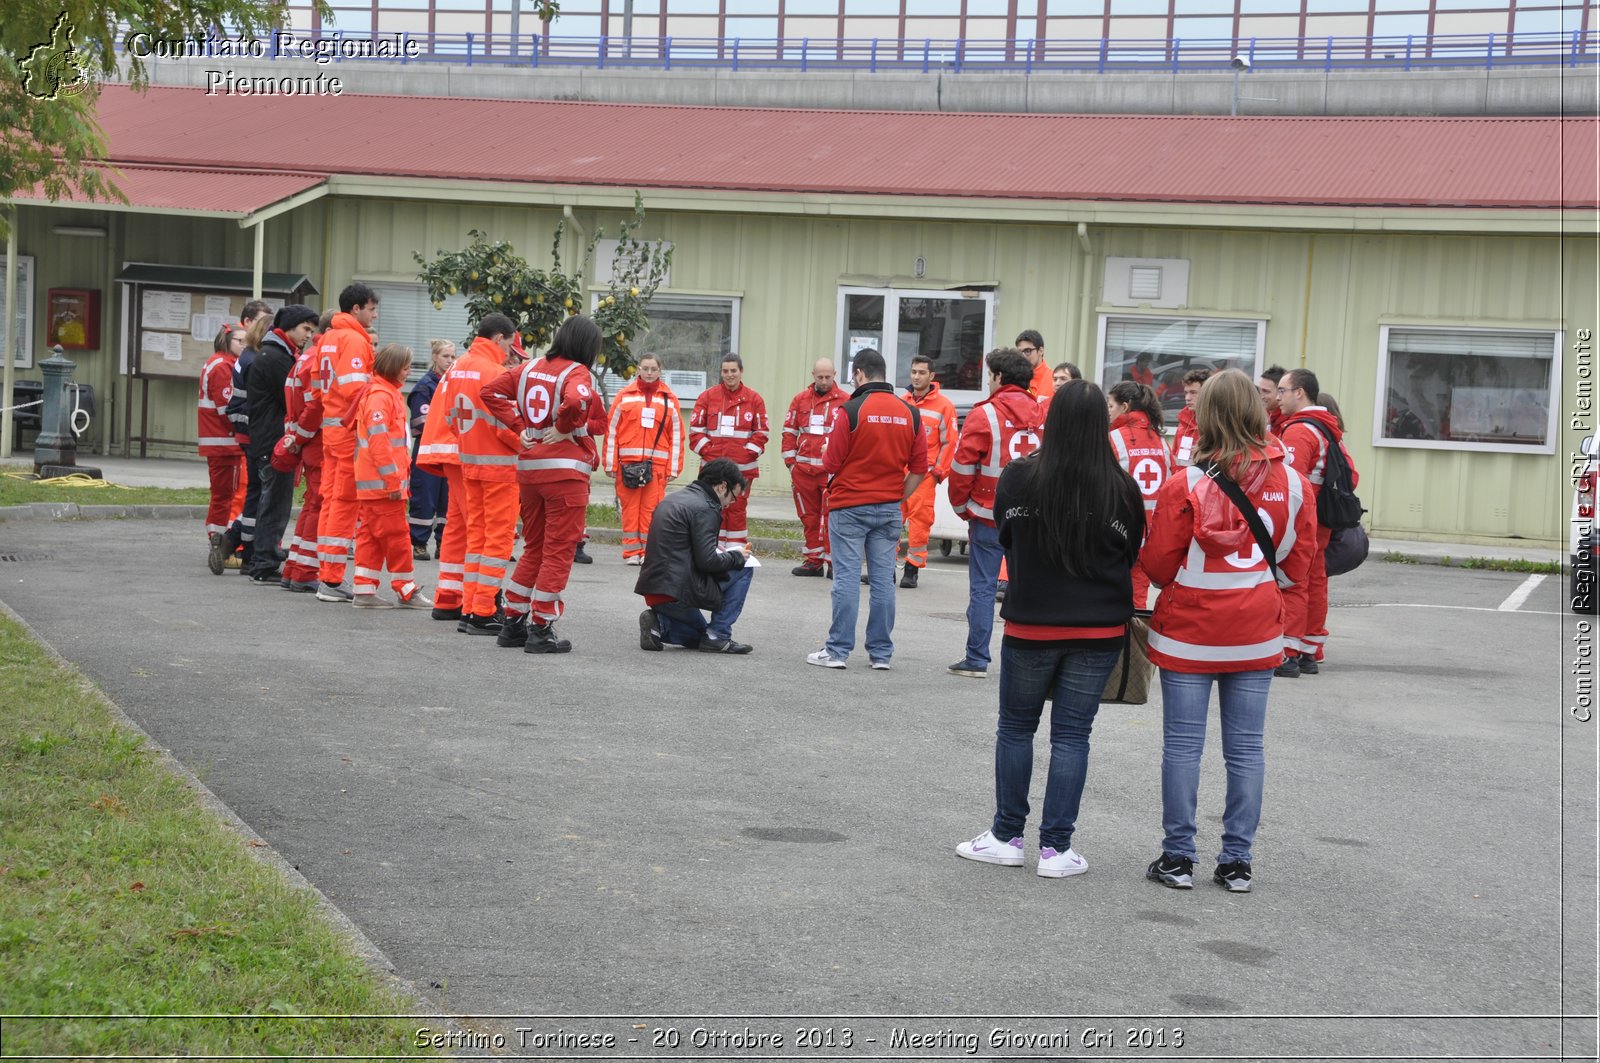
450,593
810,486
383,538
302,564
491,512
336,528
917,511
226,473
553,515
638,506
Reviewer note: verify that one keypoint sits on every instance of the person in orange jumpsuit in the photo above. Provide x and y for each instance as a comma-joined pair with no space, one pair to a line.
938,416
488,449
344,366
805,437
382,424
552,403
439,452
644,428
1031,344
730,421
1136,423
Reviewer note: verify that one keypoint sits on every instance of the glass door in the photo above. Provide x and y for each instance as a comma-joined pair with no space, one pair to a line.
952,329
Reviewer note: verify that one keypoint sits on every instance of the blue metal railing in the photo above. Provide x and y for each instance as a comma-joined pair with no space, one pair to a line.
1024,56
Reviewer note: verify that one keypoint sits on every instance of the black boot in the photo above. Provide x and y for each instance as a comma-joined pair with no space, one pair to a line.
581,558
513,633
909,580
447,614
481,625
541,638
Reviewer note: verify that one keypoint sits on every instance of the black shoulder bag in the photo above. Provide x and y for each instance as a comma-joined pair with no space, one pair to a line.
1337,504
638,473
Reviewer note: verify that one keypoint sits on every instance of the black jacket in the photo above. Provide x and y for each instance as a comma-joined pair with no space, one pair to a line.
681,559
264,401
1040,592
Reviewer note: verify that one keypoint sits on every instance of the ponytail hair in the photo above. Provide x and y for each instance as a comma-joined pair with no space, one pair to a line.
1142,398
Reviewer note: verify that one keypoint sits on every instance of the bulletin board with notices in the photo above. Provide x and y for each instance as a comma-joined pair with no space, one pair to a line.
176,330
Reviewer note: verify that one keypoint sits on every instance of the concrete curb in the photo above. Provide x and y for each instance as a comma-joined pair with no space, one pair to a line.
75,511
254,845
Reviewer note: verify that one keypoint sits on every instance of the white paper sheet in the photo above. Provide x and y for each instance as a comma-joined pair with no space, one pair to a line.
165,310
167,344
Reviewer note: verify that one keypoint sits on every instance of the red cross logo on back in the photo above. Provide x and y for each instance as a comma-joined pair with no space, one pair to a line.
1148,473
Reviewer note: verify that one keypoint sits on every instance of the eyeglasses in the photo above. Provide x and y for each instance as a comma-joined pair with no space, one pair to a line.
1027,350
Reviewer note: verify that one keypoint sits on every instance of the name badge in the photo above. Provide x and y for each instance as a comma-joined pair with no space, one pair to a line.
725,424
647,417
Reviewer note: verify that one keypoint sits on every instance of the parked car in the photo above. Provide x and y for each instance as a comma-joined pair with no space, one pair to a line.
1585,595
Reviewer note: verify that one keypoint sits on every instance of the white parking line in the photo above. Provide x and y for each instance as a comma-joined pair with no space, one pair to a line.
1515,599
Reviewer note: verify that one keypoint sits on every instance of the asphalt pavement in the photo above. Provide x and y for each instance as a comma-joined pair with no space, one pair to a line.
649,835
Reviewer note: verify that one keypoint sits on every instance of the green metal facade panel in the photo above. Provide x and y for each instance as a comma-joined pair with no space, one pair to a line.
788,270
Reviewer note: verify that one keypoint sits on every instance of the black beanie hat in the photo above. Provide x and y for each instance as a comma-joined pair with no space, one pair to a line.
292,315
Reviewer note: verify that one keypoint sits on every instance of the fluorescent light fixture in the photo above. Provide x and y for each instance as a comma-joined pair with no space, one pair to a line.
95,231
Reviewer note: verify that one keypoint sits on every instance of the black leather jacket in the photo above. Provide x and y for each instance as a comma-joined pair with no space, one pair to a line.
681,559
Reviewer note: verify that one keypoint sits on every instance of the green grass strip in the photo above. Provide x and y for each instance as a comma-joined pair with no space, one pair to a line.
121,894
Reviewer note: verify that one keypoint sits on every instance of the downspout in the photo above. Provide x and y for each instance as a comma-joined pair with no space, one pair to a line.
260,255
572,220
1085,336
1305,311
9,374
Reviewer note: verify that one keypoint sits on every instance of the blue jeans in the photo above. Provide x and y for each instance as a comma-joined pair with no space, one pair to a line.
983,572
681,624
1185,698
1076,678
873,529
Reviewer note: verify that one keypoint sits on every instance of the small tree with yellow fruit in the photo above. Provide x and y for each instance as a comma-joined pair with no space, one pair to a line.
637,270
497,280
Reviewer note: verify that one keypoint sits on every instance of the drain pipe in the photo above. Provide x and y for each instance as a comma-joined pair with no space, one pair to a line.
572,220
1085,336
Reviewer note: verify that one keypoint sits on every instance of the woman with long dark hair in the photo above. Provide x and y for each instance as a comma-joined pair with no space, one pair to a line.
1219,618
551,402
1070,520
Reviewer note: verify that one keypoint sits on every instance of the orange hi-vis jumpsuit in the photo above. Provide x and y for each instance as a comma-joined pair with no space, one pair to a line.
302,397
554,476
344,366
223,461
731,424
805,437
644,426
1141,450
488,477
938,415
1305,624
439,452
382,424
1043,385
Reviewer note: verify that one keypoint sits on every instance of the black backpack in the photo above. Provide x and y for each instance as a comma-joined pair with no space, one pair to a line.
1337,504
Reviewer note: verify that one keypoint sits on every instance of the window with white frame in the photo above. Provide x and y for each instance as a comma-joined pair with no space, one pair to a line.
953,328
689,334
406,315
1467,389
1158,351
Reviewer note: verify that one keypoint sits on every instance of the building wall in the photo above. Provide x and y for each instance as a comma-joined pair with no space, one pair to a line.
1324,297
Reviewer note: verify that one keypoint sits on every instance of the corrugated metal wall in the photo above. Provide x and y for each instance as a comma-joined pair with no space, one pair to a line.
788,270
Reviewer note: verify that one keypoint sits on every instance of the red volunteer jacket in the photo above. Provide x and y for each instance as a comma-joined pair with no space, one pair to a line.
1183,441
730,424
807,424
302,403
1220,609
214,430
938,428
875,443
1308,448
1003,427
383,441
1141,451
344,368
549,392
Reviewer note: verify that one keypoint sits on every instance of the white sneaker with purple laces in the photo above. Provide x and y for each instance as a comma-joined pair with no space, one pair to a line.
987,849
1060,865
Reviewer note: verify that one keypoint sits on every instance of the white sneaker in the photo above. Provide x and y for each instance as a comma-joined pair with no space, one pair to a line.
1060,865
987,849
880,666
371,601
635,560
822,660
